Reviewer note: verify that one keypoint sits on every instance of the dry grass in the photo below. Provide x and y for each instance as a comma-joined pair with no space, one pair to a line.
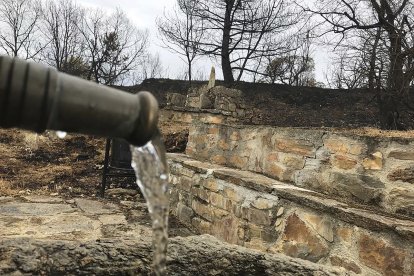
375,132
6,188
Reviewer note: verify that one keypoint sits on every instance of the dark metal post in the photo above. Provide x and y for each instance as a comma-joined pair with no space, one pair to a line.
105,168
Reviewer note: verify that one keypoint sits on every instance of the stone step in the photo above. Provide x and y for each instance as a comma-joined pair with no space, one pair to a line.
255,211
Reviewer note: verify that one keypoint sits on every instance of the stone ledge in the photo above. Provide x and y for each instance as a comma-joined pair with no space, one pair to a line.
186,256
353,214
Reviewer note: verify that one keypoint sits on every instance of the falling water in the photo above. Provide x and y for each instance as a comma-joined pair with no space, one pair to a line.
61,134
151,171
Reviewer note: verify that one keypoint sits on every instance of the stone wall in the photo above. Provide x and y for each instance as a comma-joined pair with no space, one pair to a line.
377,172
219,100
338,198
258,212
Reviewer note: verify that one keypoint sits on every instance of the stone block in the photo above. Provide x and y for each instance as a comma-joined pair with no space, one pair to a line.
336,146
235,136
192,101
278,171
381,256
223,145
229,205
217,200
344,162
233,195
272,157
174,196
300,241
309,178
201,193
253,231
405,174
203,226
294,162
345,234
263,203
241,233
345,263
356,149
219,159
280,212
219,214
185,183
227,229
401,155
402,200
176,99
322,225
212,119
202,209
206,102
184,197
186,172
213,130
364,188
300,147
261,217
184,213
211,184
374,162
238,161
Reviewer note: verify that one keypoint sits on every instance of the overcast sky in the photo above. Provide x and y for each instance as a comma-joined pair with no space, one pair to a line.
144,13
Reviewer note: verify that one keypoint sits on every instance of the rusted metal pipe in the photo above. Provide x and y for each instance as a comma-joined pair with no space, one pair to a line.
37,98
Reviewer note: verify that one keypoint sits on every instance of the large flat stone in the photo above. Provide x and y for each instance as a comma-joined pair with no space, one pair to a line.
197,255
94,207
42,199
34,209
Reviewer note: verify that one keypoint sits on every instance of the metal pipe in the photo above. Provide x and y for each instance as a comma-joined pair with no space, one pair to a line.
37,98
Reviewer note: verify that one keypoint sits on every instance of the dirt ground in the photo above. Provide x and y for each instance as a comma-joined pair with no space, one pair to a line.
43,164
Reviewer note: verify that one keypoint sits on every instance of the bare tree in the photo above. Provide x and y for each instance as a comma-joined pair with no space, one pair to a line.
113,46
360,61
150,67
239,31
59,27
18,28
181,32
394,20
296,67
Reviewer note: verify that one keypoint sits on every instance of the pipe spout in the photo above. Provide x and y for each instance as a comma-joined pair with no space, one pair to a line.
35,97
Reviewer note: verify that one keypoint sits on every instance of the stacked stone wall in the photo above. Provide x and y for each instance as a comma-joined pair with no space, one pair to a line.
332,197
258,212
374,171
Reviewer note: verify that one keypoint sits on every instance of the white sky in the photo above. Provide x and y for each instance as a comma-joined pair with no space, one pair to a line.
144,13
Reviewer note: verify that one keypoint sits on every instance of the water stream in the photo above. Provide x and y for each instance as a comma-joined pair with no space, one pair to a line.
151,171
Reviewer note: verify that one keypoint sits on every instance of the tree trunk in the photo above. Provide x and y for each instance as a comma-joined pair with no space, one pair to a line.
225,52
371,75
190,78
391,101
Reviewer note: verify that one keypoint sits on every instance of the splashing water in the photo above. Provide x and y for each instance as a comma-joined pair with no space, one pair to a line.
151,171
61,134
